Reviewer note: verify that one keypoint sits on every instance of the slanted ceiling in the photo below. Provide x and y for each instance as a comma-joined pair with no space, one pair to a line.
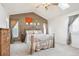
53,11
28,14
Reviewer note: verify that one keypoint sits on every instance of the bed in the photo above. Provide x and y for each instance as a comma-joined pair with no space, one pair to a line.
39,41
33,42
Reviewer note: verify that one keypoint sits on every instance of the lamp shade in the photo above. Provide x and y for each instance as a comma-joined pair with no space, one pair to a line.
28,19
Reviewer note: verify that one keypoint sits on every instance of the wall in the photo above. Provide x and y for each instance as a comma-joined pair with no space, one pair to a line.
22,23
59,25
36,19
3,18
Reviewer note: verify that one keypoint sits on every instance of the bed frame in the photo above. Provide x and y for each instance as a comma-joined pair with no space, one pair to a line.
34,44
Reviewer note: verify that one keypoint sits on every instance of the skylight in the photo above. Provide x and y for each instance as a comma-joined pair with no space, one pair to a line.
63,6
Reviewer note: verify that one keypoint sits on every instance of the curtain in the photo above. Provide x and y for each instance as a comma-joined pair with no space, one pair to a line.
71,20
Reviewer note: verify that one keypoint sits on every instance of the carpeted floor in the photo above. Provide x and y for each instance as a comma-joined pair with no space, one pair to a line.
20,49
59,50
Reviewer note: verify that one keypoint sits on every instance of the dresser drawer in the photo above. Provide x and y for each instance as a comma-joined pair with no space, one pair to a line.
4,42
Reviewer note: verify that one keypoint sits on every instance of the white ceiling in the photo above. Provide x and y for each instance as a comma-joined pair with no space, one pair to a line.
53,11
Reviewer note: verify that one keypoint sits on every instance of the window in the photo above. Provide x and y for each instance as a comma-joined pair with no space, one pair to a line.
44,28
15,31
74,28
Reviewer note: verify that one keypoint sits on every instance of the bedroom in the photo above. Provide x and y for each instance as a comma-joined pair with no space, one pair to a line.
39,29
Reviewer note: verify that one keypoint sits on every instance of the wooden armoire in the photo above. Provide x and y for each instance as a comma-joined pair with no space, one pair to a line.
4,42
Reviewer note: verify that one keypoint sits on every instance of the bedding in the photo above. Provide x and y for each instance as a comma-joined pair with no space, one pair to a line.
43,41
38,41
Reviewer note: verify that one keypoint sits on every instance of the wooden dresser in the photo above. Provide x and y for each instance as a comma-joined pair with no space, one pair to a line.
4,42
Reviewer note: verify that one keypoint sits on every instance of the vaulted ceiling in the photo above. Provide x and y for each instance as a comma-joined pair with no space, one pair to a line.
53,11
